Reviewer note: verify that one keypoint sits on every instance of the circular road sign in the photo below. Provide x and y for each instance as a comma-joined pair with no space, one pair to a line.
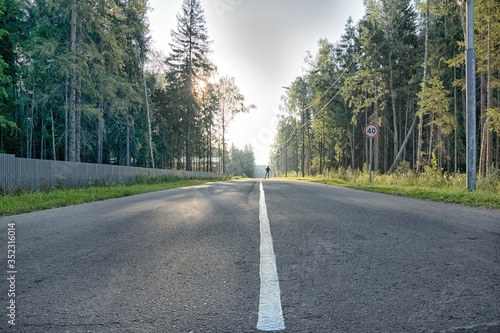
371,131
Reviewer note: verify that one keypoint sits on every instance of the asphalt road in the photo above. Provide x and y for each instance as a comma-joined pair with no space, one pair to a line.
187,260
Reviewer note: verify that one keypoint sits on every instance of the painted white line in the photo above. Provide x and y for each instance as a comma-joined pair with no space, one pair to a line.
270,311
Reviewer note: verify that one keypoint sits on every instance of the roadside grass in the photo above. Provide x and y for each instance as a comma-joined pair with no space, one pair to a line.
431,184
478,198
33,201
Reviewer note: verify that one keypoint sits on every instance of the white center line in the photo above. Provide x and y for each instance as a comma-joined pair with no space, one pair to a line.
270,311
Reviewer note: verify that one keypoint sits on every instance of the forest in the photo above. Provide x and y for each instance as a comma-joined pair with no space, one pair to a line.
401,67
80,81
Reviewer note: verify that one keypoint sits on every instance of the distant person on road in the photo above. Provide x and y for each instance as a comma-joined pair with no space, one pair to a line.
268,170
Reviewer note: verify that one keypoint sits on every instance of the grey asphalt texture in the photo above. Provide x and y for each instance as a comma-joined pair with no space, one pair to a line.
187,260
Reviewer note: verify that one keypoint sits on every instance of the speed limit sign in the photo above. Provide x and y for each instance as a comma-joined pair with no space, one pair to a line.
371,131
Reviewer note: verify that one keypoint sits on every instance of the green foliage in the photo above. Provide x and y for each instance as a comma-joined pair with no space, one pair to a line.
433,175
4,79
7,124
375,74
10,27
78,92
103,75
242,162
434,101
494,116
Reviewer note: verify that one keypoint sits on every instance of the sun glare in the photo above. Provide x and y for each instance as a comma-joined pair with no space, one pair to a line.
201,85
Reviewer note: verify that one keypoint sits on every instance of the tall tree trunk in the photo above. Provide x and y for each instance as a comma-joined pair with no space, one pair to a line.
221,156
100,132
497,152
29,136
424,84
489,103
484,129
42,135
455,110
386,148
223,146
190,119
210,151
321,144
150,135
79,135
353,147
393,104
223,115
53,135
402,149
376,143
127,138
448,157
209,160
189,166
309,144
431,139
66,121
100,139
72,98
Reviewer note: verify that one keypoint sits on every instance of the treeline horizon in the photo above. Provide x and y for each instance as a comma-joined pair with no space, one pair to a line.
401,67
80,81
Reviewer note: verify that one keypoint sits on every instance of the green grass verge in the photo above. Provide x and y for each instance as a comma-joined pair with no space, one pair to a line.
479,198
30,202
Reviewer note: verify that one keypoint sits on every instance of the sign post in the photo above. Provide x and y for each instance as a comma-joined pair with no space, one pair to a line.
371,131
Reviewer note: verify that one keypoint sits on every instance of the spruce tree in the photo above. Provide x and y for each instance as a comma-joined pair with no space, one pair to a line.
188,63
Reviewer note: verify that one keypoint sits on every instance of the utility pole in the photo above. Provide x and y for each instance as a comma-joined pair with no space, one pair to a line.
303,148
303,91
470,66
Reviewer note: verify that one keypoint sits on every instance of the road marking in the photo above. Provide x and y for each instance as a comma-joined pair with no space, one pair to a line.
270,311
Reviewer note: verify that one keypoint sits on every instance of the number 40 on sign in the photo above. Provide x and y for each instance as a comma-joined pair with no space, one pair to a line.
371,131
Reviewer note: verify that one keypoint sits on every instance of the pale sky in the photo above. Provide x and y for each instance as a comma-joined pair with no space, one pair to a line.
262,44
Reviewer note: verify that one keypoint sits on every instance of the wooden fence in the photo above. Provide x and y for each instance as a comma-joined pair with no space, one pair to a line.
32,174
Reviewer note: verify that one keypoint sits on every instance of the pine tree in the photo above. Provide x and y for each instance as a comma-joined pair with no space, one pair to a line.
488,18
189,63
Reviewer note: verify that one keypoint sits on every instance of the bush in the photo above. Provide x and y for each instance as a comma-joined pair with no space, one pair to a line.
490,182
433,176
